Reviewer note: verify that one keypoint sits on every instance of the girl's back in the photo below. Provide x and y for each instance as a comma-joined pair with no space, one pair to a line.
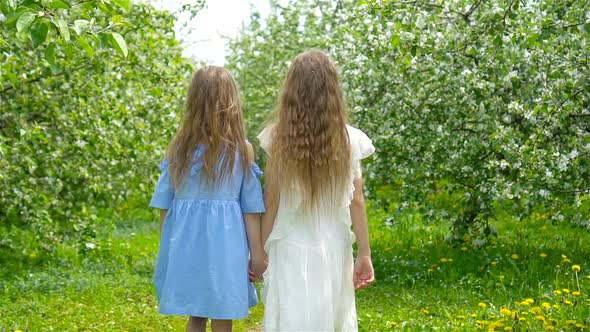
196,186
330,225
207,187
312,169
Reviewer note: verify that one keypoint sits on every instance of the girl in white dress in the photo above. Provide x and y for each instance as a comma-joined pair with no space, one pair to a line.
314,194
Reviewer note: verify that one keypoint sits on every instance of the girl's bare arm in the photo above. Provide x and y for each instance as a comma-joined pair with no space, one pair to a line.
271,202
162,218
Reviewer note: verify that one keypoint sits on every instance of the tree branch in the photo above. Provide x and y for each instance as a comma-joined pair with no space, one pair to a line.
435,5
572,191
37,79
573,25
579,115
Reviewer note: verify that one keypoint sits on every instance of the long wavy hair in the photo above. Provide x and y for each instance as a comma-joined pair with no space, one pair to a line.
310,143
213,119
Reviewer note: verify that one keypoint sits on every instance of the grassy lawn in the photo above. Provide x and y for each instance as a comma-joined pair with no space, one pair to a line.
526,279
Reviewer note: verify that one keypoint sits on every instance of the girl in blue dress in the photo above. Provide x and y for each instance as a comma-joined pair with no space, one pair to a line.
210,200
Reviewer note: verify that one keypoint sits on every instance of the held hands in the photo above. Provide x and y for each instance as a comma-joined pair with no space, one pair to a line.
257,266
363,272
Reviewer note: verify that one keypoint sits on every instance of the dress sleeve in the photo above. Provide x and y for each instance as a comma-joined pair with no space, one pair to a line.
265,139
361,148
164,193
251,199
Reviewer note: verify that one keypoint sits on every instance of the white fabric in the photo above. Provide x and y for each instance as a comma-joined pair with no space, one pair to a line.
308,285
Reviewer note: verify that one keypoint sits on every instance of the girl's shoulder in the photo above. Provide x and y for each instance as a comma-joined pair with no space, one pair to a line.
265,138
361,145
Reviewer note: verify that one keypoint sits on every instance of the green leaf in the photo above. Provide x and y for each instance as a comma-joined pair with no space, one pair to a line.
2,42
11,18
24,21
59,4
122,3
38,33
12,78
7,6
70,51
532,39
86,46
118,42
62,27
50,53
395,41
117,19
80,26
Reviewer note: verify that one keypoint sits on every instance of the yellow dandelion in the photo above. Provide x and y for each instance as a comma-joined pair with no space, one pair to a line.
576,293
482,305
482,322
567,260
549,328
391,323
524,313
557,292
553,321
473,315
588,277
425,311
581,326
555,306
568,302
506,312
508,328
461,317
18,331
443,260
563,256
543,255
529,300
565,290
536,310
514,256
540,318
546,305
576,268
450,260
570,322
522,319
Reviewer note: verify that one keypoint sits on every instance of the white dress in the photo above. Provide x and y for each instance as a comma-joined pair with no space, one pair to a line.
308,285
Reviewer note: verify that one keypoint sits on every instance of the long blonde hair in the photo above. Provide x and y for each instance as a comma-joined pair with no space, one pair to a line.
310,144
213,119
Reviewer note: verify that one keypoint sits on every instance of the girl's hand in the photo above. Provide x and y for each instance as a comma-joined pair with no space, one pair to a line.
258,264
363,272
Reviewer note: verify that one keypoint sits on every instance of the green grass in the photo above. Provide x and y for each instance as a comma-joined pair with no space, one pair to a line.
423,282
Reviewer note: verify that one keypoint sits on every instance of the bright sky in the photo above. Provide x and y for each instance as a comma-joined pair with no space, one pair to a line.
204,38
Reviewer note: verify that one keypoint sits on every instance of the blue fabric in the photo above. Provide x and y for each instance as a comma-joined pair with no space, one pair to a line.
202,266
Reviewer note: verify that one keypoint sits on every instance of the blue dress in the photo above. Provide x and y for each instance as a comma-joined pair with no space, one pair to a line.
202,266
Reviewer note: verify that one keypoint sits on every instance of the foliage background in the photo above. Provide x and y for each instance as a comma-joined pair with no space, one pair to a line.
479,111
83,124
471,104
